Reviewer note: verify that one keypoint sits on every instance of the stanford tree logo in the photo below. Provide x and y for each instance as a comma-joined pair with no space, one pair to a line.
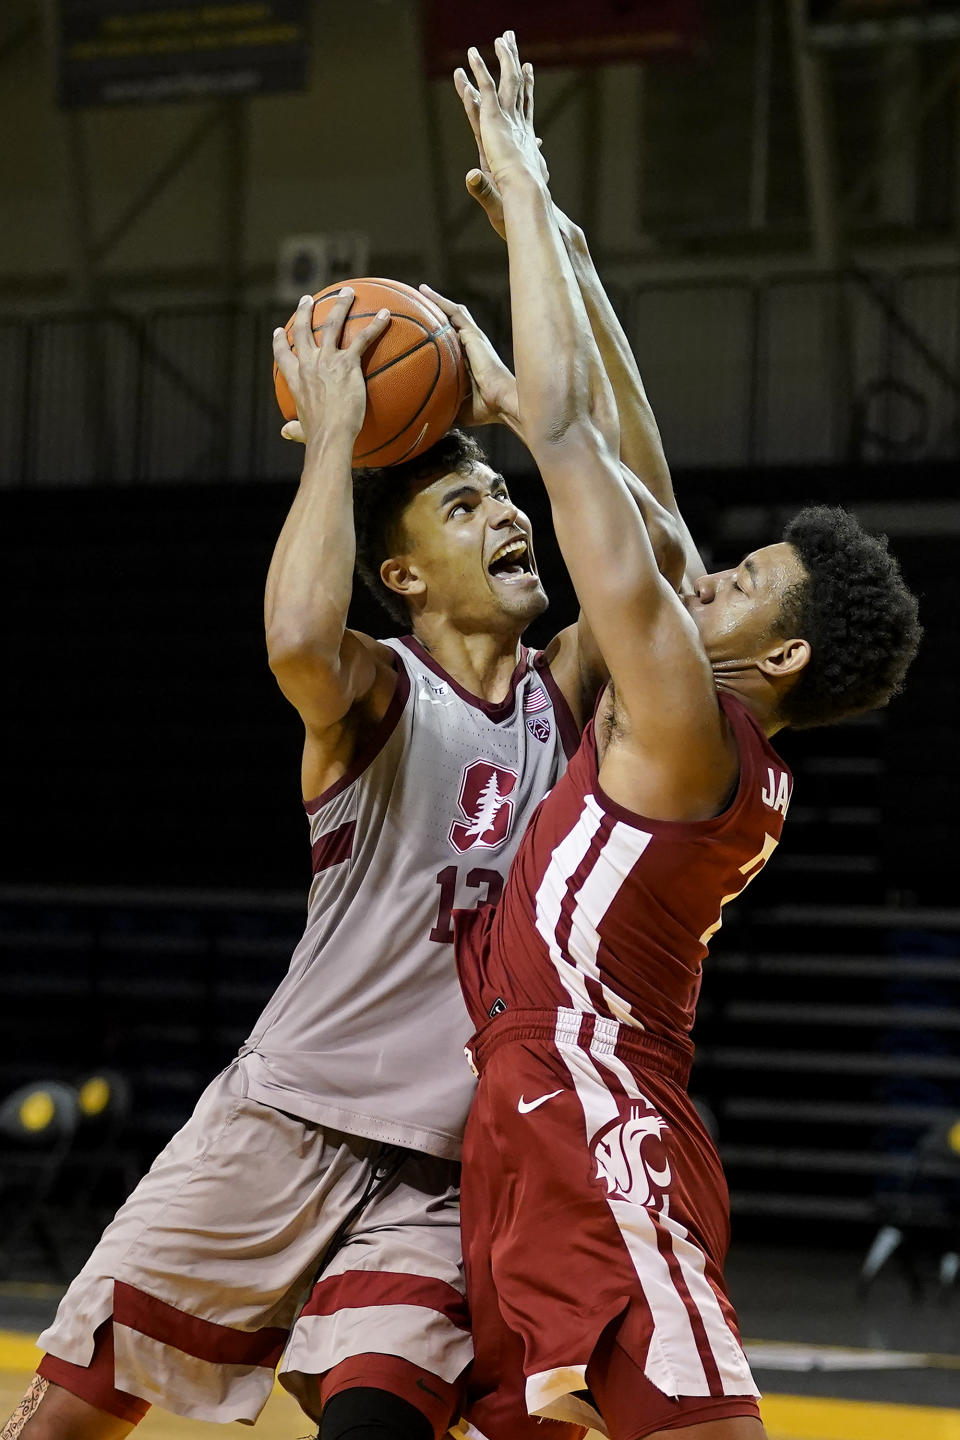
484,804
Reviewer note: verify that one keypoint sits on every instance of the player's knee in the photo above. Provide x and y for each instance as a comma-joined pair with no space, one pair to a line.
363,1413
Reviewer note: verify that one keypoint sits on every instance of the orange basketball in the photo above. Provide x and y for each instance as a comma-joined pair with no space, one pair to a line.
415,372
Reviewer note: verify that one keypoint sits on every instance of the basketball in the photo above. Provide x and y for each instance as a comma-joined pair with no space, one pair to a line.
415,372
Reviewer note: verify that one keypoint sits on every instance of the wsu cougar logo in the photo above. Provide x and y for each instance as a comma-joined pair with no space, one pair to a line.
631,1158
484,805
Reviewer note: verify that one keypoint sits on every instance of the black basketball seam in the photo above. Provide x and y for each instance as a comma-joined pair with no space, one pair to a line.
368,314
426,400
397,358
456,350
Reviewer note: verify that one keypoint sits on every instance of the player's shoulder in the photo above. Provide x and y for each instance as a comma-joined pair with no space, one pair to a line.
382,672
378,650
766,779
563,661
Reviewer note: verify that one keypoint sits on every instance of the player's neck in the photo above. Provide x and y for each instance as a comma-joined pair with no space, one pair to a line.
481,663
756,691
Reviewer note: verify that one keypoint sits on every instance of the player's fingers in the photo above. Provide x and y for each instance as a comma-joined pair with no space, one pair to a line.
544,168
293,430
481,74
284,357
458,315
482,188
302,325
371,331
510,78
471,106
528,93
469,97
449,307
331,329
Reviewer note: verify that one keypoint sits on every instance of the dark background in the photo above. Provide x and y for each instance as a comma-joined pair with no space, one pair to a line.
153,747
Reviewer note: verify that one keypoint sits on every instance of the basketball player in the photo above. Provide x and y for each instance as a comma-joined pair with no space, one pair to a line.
594,1207
317,1179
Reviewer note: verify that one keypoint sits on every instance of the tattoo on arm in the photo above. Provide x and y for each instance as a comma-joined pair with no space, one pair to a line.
23,1412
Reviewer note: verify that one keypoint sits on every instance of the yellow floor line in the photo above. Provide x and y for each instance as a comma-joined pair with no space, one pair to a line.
808,1417
18,1352
787,1417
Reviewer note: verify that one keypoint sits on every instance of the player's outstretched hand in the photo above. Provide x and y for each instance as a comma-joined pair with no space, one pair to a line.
493,388
326,381
506,111
480,183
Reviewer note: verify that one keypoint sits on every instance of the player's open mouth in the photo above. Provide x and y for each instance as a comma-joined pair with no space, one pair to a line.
512,561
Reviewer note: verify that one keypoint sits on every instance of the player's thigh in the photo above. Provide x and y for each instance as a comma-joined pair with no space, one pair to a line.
233,1214
393,1287
202,1273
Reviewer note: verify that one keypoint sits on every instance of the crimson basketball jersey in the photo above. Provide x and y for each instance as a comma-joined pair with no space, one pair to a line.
366,1032
608,912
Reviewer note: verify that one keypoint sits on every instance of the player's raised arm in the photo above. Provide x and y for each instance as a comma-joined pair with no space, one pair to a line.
641,447
567,411
322,668
574,657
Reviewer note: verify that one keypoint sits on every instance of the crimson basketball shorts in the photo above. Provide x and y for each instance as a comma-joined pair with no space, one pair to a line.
595,1225
258,1239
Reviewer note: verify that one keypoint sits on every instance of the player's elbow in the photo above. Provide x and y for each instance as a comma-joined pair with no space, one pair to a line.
292,649
573,438
666,538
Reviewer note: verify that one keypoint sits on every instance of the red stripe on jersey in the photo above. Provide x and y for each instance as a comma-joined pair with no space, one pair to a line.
333,847
357,1289
693,1314
566,724
204,1339
368,752
569,905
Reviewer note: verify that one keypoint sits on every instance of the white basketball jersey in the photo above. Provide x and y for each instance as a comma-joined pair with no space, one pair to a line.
366,1032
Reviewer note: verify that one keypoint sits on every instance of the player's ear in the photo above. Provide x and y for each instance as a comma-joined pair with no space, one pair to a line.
786,659
401,576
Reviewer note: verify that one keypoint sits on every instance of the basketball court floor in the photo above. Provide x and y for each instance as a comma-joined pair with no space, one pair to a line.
831,1365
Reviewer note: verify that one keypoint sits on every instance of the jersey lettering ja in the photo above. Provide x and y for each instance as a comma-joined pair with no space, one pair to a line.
366,1031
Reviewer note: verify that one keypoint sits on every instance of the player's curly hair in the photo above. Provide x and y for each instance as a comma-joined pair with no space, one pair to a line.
857,614
380,497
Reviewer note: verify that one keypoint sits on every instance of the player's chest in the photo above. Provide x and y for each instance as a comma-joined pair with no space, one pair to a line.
468,784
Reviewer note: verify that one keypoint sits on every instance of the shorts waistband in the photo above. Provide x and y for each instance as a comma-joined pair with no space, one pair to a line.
587,1031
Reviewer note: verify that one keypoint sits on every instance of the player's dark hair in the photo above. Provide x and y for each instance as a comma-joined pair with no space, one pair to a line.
380,497
857,614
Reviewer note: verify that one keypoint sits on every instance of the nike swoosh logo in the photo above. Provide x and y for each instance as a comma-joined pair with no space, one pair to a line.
525,1106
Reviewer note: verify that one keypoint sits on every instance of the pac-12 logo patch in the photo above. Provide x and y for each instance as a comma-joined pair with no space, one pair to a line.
537,723
485,806
632,1159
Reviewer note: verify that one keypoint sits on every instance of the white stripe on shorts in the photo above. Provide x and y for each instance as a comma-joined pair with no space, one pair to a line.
673,1362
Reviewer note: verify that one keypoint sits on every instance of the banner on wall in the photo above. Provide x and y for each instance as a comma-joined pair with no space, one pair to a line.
120,52
562,32
841,23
